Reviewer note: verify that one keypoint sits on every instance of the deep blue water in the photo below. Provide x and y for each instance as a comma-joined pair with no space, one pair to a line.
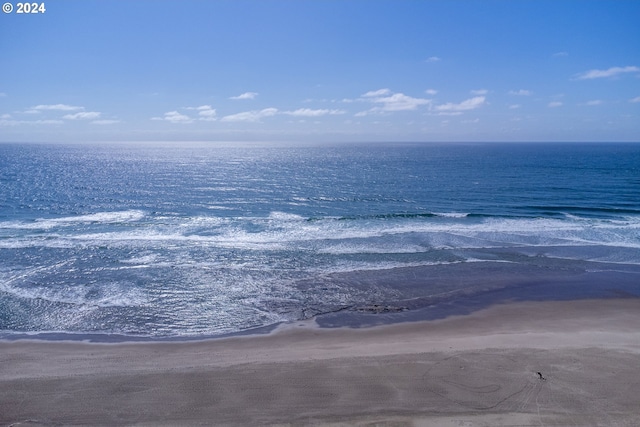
202,239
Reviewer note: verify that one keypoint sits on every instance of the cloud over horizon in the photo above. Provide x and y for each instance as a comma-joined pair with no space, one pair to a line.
250,116
206,113
390,102
174,117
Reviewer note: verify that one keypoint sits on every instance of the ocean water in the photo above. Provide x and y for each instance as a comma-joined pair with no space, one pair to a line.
194,240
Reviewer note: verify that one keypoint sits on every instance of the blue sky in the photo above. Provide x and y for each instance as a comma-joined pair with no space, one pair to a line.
321,70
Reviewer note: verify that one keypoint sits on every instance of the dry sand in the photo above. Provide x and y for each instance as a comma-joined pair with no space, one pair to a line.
474,370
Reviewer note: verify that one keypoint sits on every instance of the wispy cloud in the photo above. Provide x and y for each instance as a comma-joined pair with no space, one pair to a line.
390,101
57,107
308,112
47,122
560,54
634,100
174,117
246,95
250,116
593,103
2,94
83,115
433,59
610,72
468,104
400,102
555,104
206,113
521,92
431,91
379,92
514,106
479,92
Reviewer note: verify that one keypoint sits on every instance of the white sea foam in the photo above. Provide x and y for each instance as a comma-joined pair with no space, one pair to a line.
144,259
99,217
281,231
286,217
451,214
109,294
105,217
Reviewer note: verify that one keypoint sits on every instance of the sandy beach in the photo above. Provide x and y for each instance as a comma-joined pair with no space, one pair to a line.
474,370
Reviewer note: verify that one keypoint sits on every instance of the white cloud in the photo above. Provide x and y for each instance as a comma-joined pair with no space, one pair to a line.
560,54
610,72
2,94
246,95
514,106
58,107
48,122
469,104
636,99
479,92
391,101
521,92
593,103
401,102
555,104
430,91
250,116
105,122
174,117
206,113
88,115
307,112
5,116
433,59
375,93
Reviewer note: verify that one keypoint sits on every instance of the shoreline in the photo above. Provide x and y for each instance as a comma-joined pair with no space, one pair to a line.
483,294
479,368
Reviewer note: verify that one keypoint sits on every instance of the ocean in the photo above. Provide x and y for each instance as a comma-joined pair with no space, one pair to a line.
192,240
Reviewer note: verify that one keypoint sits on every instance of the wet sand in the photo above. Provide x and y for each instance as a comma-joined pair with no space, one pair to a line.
473,370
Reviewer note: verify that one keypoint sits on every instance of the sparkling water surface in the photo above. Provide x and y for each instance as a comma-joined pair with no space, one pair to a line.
189,240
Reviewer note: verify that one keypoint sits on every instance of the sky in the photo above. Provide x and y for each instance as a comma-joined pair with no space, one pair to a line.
321,70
